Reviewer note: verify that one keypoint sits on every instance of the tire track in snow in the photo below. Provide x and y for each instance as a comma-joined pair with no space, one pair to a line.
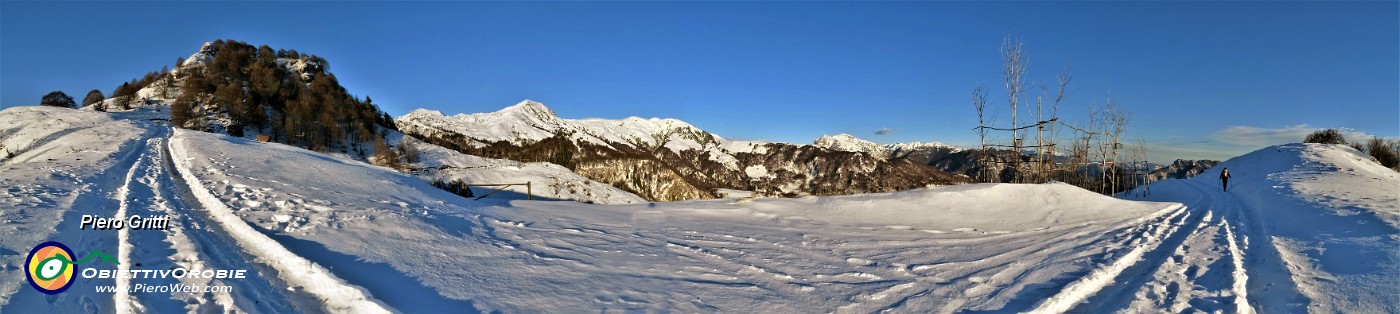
122,302
148,191
187,243
155,199
335,293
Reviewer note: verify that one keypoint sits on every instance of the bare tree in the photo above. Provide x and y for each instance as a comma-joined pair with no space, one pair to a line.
1096,143
1142,170
408,148
1052,141
1046,132
1117,124
1013,68
1097,123
979,102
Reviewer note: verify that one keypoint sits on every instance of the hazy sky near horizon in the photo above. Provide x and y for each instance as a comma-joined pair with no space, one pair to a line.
1200,79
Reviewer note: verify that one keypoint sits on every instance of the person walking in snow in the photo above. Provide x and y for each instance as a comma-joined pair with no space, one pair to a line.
1225,179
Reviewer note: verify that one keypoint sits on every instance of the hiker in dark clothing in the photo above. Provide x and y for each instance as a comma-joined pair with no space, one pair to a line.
1225,179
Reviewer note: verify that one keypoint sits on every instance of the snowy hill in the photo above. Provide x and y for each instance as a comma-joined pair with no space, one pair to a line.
664,159
1316,225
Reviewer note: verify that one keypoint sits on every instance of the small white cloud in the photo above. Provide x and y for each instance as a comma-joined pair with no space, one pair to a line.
1252,136
883,131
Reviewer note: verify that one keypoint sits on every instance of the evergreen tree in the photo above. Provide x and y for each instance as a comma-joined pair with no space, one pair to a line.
57,99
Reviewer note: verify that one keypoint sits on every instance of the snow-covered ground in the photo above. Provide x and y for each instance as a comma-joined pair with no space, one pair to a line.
1306,228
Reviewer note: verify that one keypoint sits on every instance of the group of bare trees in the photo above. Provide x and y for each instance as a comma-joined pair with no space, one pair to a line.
1096,158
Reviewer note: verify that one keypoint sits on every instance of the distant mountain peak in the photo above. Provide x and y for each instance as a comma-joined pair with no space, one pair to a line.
205,53
425,111
531,108
848,143
840,137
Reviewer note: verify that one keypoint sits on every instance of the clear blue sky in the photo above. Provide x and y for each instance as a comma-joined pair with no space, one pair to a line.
1202,80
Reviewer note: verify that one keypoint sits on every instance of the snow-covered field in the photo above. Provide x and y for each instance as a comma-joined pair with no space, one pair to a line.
1307,228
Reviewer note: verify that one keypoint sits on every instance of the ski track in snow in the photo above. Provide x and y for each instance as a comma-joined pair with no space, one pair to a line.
1103,276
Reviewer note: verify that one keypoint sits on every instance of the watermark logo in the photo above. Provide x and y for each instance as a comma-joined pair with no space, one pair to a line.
50,265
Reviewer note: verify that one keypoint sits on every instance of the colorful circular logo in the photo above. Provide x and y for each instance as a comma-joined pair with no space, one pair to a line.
50,267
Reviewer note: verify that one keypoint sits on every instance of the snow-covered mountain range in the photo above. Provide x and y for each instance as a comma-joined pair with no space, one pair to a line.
666,159
849,143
